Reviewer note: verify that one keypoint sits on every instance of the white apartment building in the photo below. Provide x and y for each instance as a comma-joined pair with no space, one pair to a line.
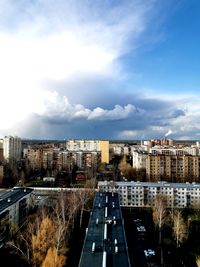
139,159
12,148
141,194
82,145
191,150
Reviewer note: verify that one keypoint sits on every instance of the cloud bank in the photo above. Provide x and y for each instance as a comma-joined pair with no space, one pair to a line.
63,73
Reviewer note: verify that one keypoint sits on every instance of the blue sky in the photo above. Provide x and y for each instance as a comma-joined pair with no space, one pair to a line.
100,69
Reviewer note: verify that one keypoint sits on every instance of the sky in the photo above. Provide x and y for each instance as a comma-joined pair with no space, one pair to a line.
100,69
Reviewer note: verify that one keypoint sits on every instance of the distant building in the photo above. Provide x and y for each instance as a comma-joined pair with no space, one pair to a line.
140,194
1,151
101,146
1,174
33,157
12,148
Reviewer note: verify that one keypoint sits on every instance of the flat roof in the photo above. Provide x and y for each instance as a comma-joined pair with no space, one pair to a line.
106,231
9,197
151,184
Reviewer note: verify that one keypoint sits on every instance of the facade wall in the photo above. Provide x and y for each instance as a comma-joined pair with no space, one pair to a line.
34,157
13,211
173,168
139,159
1,155
12,148
133,194
1,174
90,146
104,147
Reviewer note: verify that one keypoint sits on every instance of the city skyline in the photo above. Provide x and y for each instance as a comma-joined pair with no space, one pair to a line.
99,69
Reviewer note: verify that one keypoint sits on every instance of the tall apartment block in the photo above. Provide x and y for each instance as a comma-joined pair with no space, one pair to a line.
173,168
101,146
12,148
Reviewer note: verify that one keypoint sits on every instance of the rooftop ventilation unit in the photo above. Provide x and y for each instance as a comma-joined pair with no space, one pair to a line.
105,232
106,212
106,199
93,247
104,259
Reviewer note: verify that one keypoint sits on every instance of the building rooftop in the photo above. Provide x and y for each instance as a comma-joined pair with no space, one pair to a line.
151,184
9,197
105,242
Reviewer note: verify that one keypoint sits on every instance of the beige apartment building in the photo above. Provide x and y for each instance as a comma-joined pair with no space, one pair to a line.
101,146
33,157
83,153
173,168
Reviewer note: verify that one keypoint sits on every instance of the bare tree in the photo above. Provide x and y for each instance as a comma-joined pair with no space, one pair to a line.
44,241
62,227
179,228
159,214
43,238
84,196
159,217
73,207
91,183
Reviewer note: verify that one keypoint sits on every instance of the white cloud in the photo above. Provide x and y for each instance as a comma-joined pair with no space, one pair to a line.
47,42
130,134
117,113
53,41
56,107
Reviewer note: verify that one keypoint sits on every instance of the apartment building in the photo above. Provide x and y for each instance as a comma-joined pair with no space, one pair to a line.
65,161
87,159
33,157
101,146
1,151
12,148
14,205
1,174
173,168
57,159
139,159
140,194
